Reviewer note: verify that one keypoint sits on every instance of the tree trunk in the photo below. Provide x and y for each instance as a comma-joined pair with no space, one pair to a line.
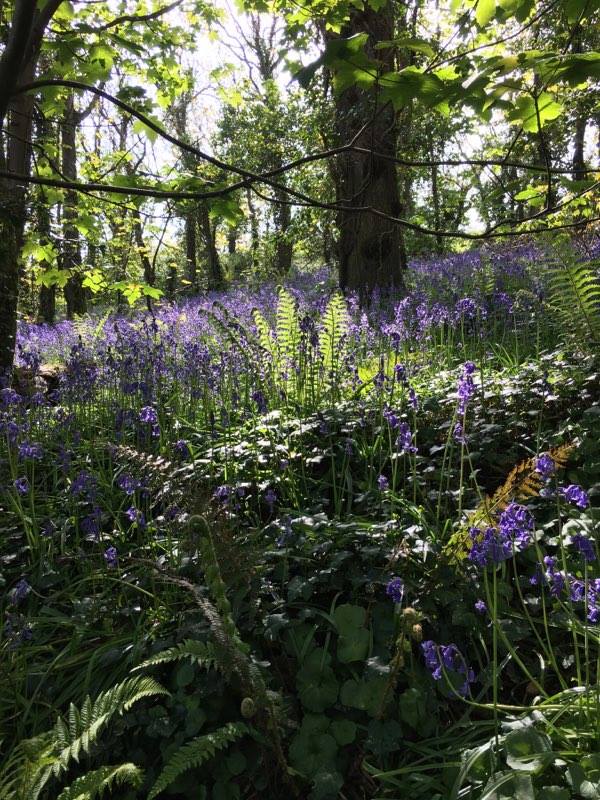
254,238
435,197
283,245
75,294
369,245
232,241
578,148
191,248
215,271
149,276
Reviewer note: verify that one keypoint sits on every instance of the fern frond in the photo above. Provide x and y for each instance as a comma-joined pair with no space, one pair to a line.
575,295
195,753
27,769
77,737
93,784
331,337
201,653
287,326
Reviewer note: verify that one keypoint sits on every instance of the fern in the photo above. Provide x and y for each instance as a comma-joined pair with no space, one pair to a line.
85,725
200,653
331,337
575,295
195,753
523,481
93,784
25,772
265,338
287,327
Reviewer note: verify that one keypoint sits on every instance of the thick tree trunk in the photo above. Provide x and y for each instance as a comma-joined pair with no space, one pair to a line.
369,245
75,294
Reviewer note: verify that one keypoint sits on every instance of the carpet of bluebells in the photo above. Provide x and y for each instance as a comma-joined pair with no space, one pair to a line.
383,516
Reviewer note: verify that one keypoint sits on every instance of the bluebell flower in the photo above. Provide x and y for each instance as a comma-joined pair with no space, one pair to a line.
489,547
585,547
392,419
111,557
466,387
383,483
545,465
270,498
395,590
148,415
480,607
575,495
405,437
31,450
222,493
21,485
517,524
135,515
20,592
449,659
128,483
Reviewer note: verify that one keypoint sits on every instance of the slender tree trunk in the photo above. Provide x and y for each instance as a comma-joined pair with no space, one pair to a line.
369,244
191,248
578,148
215,271
232,241
435,198
254,238
283,245
75,294
138,233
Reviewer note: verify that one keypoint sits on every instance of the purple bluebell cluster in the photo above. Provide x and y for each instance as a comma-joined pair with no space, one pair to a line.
466,386
496,544
575,495
448,659
111,557
395,590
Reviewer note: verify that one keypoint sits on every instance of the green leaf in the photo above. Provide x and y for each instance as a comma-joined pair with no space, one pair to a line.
348,618
354,647
364,695
316,682
408,43
528,750
485,11
344,731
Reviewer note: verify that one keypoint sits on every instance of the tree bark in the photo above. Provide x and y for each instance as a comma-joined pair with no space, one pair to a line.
75,295
283,245
215,271
191,248
369,246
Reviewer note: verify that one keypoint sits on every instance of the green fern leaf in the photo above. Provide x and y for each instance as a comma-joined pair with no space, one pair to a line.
114,701
93,784
201,653
195,753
